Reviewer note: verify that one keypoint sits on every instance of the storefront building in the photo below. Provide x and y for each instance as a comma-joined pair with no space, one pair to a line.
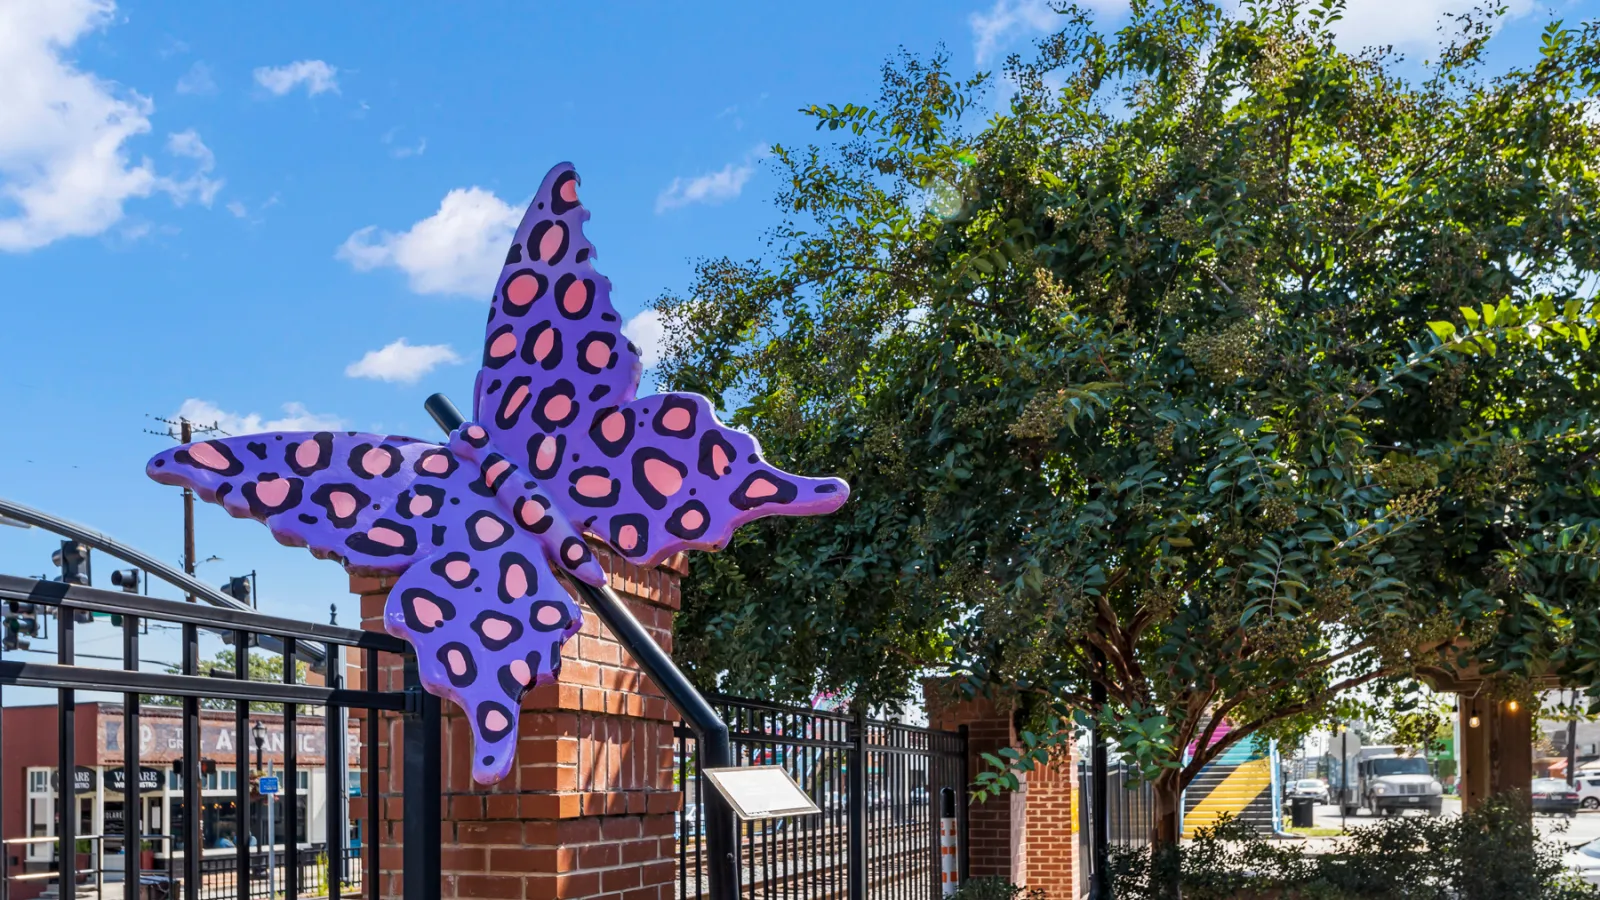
30,783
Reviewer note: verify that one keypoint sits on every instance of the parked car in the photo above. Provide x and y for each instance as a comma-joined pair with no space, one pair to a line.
1584,862
1314,788
1554,795
1589,790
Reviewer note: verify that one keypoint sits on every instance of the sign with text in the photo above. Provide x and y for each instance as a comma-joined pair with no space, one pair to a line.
149,779
761,792
269,785
161,738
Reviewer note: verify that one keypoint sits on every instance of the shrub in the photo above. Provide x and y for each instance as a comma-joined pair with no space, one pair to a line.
995,889
1490,853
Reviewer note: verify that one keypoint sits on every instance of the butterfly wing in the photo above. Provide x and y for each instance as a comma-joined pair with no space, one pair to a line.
661,474
376,503
650,476
554,343
487,626
478,600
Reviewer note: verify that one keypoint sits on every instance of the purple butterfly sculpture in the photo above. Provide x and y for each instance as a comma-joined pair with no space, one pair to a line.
559,447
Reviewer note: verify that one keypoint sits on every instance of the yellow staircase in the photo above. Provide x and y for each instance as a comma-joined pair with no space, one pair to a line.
1243,788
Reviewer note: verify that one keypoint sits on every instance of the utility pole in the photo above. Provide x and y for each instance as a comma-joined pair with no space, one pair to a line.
185,434
1572,739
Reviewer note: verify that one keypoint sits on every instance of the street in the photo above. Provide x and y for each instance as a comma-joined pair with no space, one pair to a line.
1575,830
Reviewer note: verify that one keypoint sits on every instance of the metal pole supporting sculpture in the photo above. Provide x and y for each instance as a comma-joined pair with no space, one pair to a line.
559,448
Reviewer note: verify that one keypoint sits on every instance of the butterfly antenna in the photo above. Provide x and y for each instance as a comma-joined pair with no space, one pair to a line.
444,413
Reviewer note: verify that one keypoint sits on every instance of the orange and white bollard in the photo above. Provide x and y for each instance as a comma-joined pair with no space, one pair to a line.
949,844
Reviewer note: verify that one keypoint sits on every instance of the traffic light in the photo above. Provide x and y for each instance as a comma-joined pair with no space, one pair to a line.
22,622
238,588
127,579
73,558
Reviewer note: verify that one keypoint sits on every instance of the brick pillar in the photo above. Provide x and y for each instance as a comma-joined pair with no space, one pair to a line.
588,811
1028,836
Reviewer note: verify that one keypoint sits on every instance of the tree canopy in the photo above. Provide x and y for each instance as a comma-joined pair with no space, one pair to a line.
263,667
1223,369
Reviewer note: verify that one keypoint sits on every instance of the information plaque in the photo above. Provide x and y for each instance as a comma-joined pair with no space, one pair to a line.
761,792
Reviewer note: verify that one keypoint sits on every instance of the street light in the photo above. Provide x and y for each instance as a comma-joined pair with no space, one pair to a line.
258,733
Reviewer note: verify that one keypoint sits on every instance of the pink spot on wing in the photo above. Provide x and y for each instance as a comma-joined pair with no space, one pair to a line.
719,460
597,354
435,463
495,721
627,537
549,616
344,505
515,401
557,407
594,486
272,493
504,345
520,671
457,570
386,536
663,477
307,454
569,190
494,471
375,461
546,456
476,432
496,629
676,419
544,344
614,426
761,487
532,513
521,290
489,529
692,519
428,612
516,581
207,455
577,295
457,662
420,504
551,242
574,553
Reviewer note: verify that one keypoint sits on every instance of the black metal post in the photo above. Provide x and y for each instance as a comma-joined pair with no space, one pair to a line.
132,800
67,765
1099,806
338,804
423,790
192,838
711,733
291,779
334,746
856,790
1572,740
963,856
241,767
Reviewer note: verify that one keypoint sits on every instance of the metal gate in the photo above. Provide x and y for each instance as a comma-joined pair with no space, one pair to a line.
229,712
878,784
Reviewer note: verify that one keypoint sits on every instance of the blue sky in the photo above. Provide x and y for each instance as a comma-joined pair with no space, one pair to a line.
289,215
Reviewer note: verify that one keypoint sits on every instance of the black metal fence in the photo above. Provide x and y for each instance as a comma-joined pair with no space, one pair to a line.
878,787
1130,805
185,870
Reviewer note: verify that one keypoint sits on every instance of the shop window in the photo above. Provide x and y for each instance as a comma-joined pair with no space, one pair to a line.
304,776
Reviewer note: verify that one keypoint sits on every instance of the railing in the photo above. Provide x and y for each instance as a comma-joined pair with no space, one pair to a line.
1130,804
219,879
189,874
877,785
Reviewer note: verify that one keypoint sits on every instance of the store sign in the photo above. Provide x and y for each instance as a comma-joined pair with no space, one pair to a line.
82,780
161,739
149,779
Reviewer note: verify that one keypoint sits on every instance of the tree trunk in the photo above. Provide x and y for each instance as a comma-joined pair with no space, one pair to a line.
1165,871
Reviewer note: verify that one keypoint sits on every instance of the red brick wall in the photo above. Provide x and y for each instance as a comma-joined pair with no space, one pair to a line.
588,811
1026,837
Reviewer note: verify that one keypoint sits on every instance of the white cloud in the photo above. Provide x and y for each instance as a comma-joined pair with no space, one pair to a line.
295,418
456,250
317,76
237,209
64,171
712,187
648,334
402,362
1369,23
200,185
1005,21
197,81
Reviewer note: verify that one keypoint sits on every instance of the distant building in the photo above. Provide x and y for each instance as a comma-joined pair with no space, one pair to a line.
30,783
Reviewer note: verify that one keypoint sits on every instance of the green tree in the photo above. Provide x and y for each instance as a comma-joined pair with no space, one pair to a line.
1223,370
263,667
